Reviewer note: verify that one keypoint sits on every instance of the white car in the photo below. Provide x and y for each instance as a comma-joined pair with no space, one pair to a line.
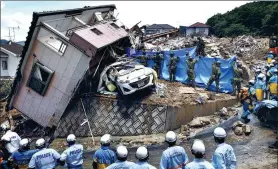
128,77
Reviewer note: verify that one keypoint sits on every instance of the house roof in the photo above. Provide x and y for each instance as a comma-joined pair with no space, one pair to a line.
13,47
160,26
199,25
36,16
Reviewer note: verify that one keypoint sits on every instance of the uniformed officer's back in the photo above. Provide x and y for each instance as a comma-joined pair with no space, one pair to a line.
121,162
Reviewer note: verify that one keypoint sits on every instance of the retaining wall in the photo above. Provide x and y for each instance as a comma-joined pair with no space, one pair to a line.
123,118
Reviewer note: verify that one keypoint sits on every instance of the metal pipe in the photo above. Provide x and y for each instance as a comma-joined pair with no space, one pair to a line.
88,121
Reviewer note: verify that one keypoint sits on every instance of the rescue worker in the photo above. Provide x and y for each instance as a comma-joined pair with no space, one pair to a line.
191,70
224,156
260,87
72,156
143,59
198,150
13,144
4,153
122,162
270,56
273,66
270,70
251,89
142,155
22,157
236,81
273,85
200,47
157,62
45,158
104,156
174,156
257,72
173,67
247,104
216,73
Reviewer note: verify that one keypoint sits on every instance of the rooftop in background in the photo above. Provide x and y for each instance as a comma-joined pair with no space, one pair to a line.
160,26
13,47
199,25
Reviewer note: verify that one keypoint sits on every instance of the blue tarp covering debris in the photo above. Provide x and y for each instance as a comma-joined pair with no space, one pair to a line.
203,68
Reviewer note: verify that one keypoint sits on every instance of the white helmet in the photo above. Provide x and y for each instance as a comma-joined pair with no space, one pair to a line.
6,138
261,75
24,143
105,139
71,138
142,153
5,127
122,152
252,82
198,147
219,132
170,137
273,61
258,70
40,143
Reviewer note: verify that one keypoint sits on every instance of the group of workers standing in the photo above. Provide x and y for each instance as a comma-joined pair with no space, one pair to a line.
15,153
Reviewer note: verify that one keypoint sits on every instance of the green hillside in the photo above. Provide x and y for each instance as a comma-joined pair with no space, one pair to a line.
254,18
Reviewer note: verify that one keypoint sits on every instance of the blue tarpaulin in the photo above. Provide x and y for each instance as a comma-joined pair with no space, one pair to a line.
203,68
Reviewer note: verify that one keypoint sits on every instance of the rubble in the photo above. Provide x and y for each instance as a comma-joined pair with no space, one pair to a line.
238,131
240,128
247,129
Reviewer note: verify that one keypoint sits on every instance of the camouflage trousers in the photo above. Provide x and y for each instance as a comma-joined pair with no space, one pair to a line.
172,74
191,77
236,86
211,80
157,69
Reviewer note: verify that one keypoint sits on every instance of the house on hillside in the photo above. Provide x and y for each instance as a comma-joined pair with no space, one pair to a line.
158,28
198,28
62,47
9,59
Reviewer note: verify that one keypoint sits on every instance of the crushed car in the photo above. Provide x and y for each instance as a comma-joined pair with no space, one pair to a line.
126,76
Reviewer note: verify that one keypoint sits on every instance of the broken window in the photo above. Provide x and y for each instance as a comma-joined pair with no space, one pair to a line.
39,78
56,43
4,65
96,31
115,26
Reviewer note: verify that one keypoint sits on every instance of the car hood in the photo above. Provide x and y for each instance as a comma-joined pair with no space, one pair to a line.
135,73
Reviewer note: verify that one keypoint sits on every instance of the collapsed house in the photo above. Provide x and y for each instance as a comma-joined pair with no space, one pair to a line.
62,48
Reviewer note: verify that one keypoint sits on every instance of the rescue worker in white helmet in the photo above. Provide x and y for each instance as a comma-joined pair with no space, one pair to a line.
45,158
21,158
257,72
72,157
13,144
142,155
273,85
174,156
198,150
224,156
260,87
104,156
121,162
4,153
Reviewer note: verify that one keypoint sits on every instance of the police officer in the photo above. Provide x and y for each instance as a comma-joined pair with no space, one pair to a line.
216,73
22,157
45,158
142,155
236,82
13,144
72,156
224,156
260,87
191,70
198,150
122,162
270,56
157,61
104,156
257,72
173,66
251,89
273,85
174,156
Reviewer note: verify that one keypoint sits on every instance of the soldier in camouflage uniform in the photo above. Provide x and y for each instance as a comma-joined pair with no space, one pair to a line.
190,72
216,72
157,62
201,47
173,66
143,59
236,81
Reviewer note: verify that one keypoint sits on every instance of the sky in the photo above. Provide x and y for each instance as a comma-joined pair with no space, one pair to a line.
175,13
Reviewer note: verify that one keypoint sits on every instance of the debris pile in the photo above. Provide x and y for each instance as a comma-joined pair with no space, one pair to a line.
240,128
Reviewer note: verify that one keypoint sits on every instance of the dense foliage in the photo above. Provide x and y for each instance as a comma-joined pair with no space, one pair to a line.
255,18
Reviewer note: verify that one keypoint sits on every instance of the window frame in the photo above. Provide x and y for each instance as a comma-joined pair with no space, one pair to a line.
51,72
4,60
60,50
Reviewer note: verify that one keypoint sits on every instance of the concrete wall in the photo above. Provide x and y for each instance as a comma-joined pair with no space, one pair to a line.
68,69
125,118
